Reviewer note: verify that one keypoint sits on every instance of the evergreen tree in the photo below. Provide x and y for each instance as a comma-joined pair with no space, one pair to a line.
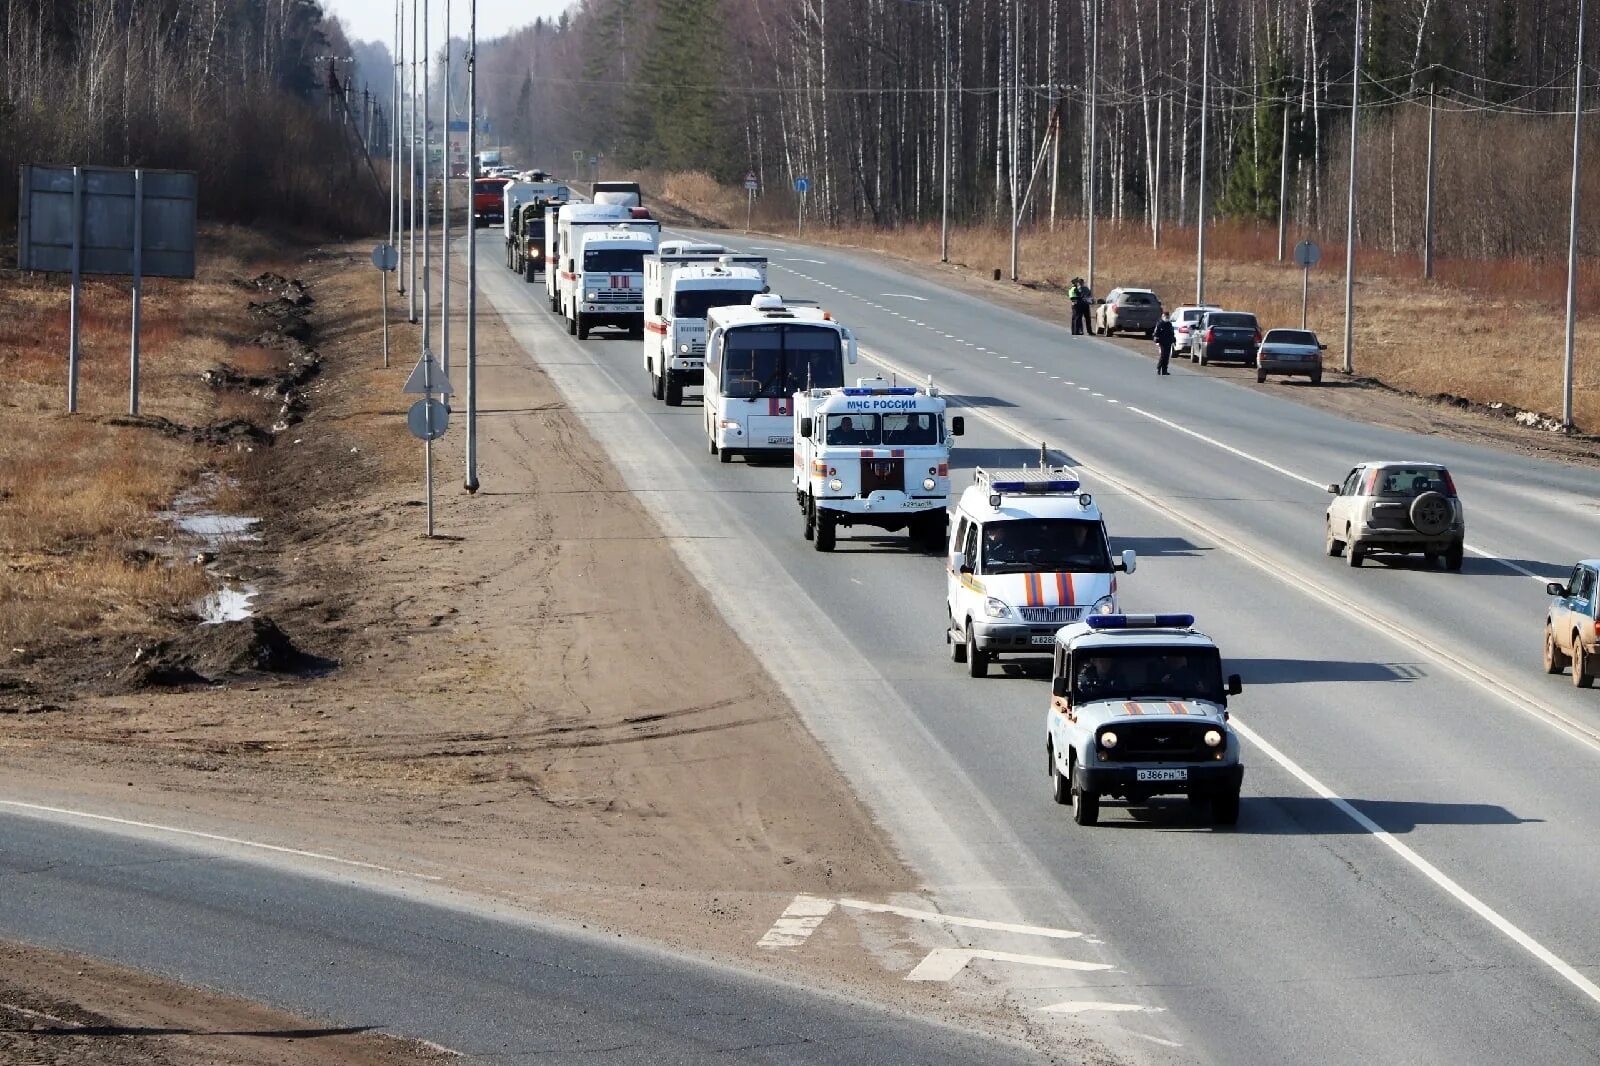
675,105
1252,186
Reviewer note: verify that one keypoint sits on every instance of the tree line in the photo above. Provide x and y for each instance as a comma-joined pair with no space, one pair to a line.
851,93
238,90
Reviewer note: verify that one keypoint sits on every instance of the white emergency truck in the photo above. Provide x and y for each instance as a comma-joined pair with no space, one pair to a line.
605,288
1139,708
683,281
757,357
1028,555
560,220
873,455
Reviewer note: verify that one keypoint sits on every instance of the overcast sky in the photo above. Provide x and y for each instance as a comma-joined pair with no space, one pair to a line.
373,20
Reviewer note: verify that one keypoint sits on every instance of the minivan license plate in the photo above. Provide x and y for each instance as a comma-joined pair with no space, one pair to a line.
1161,775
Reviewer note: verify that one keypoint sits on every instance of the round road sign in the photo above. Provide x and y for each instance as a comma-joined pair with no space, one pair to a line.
428,419
384,257
1307,254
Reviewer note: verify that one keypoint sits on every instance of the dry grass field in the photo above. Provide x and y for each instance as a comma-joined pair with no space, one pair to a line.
81,497
1487,331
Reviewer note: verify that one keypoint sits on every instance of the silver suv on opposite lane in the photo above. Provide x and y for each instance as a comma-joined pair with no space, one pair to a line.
1408,508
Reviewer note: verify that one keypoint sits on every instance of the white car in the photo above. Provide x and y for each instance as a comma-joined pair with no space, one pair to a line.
1398,507
1028,554
1138,708
1184,319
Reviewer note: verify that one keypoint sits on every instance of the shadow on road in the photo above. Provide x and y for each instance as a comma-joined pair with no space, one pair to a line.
1305,671
1158,547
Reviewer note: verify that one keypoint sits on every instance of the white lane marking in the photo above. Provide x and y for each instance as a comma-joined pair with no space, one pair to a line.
1110,400
1083,388
40,1015
958,920
790,259
943,964
1153,1039
797,922
90,816
1079,1006
905,296
1231,450
1426,868
1097,394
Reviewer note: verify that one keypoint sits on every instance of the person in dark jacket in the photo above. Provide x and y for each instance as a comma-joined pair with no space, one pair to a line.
1080,297
1165,337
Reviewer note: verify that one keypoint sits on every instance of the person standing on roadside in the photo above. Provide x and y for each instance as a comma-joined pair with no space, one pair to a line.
1165,337
1079,295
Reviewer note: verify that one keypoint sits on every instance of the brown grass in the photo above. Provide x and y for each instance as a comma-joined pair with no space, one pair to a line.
1487,330
81,534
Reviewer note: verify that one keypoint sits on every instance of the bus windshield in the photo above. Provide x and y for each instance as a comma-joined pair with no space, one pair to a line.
780,359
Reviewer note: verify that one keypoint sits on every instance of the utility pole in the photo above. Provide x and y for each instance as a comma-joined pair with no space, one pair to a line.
423,61
1283,184
1094,129
411,170
1427,208
1155,182
472,249
949,142
394,213
1572,233
1200,207
444,224
1350,210
1016,130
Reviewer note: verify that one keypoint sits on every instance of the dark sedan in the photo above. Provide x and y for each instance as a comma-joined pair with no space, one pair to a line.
1231,336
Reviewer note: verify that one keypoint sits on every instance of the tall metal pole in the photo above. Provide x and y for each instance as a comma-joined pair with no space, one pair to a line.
444,223
1427,203
1094,129
1200,207
424,60
138,291
1350,210
1155,182
472,249
396,132
1572,233
411,170
394,213
949,143
75,306
1283,185
1016,129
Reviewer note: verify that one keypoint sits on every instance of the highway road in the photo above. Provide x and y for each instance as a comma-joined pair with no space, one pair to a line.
409,962
1412,875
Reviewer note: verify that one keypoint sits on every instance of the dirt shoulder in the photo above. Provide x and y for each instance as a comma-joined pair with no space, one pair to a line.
58,1009
540,703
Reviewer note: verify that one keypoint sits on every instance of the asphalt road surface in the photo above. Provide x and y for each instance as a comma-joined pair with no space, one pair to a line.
487,984
1412,876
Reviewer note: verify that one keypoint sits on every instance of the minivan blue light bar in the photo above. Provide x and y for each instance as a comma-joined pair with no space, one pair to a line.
1062,485
1140,621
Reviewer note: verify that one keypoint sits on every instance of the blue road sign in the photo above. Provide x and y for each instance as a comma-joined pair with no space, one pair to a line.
802,184
458,125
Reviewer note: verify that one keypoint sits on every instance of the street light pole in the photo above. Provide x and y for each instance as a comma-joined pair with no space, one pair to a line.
1094,98
949,142
1200,207
411,169
444,223
1350,210
424,59
1572,234
472,249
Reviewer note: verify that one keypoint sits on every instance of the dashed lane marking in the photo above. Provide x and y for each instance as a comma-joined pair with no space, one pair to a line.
1080,1006
958,920
797,922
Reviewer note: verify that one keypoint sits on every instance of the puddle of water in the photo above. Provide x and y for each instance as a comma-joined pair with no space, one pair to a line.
227,604
215,528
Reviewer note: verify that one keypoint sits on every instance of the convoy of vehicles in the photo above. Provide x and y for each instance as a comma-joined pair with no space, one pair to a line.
758,355
1138,708
874,454
525,204
1028,554
682,282
1138,704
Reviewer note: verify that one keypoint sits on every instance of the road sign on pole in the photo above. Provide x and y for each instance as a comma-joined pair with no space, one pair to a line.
1307,254
750,187
385,258
428,418
802,185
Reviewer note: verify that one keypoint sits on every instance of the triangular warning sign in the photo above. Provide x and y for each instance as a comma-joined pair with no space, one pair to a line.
428,376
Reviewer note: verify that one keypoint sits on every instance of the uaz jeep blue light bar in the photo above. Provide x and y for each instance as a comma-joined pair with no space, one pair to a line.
1139,621
1060,485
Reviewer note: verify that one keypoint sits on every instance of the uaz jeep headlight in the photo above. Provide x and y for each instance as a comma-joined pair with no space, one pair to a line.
1104,605
1213,738
996,608
1108,740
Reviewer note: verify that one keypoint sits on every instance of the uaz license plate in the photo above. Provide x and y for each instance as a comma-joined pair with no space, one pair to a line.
1161,775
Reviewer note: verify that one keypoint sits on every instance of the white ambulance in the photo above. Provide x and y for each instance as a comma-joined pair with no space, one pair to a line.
873,455
1028,555
1139,708
605,285
757,357
560,222
682,282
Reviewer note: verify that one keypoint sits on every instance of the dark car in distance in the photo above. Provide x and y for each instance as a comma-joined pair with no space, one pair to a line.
1225,336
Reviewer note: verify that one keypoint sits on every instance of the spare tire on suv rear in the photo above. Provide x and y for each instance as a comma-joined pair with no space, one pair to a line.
1431,514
